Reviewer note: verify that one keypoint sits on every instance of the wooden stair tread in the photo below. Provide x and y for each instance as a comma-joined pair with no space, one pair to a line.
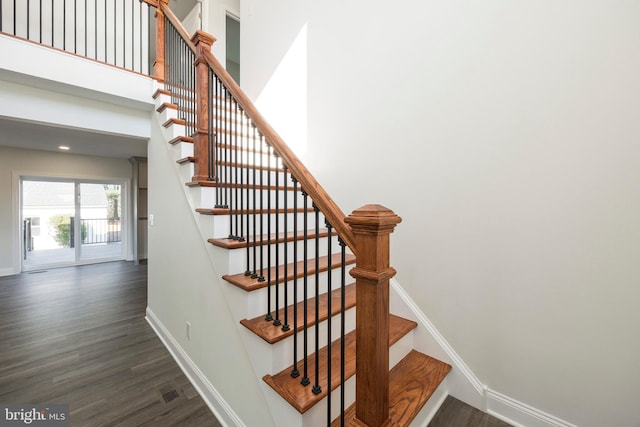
301,397
185,160
166,106
238,185
181,138
159,92
272,334
265,240
411,383
227,211
174,121
250,284
228,164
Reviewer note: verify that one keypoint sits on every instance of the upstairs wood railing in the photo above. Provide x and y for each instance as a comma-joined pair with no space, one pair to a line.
115,32
254,174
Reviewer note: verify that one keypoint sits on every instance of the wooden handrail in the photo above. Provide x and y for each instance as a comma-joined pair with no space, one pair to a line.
320,197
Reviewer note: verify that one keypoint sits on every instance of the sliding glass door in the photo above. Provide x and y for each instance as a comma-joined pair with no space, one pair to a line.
68,222
100,224
48,210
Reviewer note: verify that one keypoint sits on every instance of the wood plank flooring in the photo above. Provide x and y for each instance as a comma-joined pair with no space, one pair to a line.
78,336
454,413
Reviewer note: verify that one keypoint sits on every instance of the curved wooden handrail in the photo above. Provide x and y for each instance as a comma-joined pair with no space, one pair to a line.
320,197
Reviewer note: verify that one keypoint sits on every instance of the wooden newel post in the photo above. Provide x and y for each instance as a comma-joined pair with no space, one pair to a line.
158,64
202,42
372,226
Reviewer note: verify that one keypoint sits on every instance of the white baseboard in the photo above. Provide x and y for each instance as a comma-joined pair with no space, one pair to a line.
496,404
519,414
8,271
223,412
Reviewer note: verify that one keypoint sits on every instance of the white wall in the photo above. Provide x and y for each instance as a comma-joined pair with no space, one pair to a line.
16,162
506,136
184,287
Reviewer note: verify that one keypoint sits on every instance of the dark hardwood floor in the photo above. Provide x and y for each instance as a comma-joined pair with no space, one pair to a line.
454,413
78,336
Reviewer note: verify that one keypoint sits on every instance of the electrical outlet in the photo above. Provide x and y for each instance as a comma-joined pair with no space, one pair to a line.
189,331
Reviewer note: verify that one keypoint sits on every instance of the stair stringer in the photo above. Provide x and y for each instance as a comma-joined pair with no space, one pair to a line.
216,402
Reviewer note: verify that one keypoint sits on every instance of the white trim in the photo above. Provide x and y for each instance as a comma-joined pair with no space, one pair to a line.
520,414
220,408
125,195
496,404
8,271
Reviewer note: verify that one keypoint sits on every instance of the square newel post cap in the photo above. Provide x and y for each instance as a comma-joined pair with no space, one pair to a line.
373,219
205,38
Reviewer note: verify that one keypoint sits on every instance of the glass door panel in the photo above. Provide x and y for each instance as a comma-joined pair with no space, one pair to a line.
48,223
100,229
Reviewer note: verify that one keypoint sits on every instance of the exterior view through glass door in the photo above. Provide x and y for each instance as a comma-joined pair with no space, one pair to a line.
70,222
100,226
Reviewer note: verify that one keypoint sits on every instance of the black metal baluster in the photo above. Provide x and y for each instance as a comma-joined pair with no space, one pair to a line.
124,36
269,316
95,30
212,142
329,316
230,156
285,326
194,124
85,29
277,322
115,30
75,26
64,23
220,166
237,143
133,31
222,134
0,16
28,16
236,153
256,188
316,386
295,373
343,283
262,190
105,34
305,270
140,34
40,30
240,161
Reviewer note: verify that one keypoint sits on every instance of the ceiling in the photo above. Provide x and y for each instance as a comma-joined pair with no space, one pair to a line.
38,136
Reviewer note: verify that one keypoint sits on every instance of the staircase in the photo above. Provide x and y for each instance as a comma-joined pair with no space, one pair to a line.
327,347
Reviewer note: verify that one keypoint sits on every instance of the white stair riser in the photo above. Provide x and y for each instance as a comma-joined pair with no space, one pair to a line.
241,198
317,416
282,351
256,301
173,131
270,256
216,226
220,225
181,149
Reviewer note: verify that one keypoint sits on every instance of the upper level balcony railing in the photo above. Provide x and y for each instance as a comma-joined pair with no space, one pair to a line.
115,32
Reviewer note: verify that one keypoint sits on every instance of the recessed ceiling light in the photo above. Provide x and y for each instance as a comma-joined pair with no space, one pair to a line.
63,147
